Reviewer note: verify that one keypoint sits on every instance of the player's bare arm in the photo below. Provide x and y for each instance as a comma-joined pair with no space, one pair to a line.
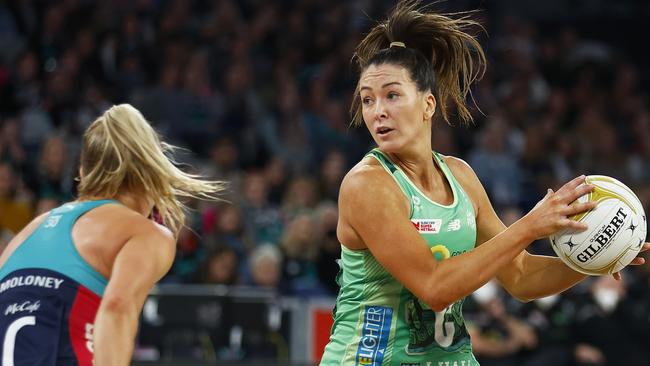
375,210
527,276
141,262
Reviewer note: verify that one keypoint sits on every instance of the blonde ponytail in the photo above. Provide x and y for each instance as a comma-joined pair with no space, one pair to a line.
122,153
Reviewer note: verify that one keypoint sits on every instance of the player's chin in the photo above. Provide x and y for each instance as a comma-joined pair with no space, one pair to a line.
389,146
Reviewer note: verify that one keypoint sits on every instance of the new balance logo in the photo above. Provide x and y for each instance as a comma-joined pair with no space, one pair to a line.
454,225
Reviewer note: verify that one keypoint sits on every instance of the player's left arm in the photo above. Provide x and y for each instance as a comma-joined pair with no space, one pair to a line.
143,260
528,276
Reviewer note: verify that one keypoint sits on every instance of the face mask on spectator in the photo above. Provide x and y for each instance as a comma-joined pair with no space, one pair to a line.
607,299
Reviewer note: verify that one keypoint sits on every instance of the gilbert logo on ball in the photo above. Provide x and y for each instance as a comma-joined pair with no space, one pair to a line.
616,233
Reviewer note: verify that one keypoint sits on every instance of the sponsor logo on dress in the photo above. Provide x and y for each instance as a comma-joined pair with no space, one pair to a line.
471,220
374,335
25,306
427,226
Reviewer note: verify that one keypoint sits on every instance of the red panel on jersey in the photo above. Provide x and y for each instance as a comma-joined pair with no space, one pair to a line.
82,318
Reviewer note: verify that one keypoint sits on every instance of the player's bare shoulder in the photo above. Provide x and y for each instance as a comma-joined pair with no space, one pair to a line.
130,222
462,171
143,225
459,167
163,233
21,236
164,241
367,188
367,177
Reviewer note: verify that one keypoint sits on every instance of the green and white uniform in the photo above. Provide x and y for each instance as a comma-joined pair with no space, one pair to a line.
379,322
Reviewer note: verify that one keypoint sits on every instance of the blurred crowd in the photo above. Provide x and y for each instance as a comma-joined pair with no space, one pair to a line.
258,94
600,322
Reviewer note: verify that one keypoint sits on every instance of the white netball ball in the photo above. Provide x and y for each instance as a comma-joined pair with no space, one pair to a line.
616,233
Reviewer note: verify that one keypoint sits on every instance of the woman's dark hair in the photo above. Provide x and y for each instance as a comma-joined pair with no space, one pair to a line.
436,50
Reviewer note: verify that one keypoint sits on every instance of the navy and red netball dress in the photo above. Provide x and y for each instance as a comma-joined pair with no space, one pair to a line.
49,295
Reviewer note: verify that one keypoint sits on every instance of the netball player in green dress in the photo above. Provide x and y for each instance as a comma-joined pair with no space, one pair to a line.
417,229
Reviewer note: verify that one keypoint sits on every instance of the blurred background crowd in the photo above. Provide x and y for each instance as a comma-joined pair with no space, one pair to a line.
258,94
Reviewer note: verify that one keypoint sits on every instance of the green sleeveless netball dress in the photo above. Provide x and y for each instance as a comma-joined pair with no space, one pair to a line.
377,321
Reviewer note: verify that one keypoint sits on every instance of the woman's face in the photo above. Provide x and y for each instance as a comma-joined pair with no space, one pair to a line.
395,112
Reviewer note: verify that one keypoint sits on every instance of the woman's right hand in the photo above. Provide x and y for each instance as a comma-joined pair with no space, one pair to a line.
553,212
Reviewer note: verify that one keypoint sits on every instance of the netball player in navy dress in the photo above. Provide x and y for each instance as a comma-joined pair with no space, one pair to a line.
73,281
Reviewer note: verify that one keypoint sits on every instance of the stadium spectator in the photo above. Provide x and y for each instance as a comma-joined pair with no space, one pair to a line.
603,328
497,337
221,267
265,264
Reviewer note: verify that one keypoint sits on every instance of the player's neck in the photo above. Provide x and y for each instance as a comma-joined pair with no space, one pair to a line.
418,167
135,202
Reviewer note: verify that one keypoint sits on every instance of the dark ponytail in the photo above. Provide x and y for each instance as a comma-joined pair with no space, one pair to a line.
437,51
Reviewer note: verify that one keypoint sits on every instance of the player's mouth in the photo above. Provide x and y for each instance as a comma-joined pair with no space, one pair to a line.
383,131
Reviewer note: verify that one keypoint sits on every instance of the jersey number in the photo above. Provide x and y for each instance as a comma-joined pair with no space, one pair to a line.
444,337
10,338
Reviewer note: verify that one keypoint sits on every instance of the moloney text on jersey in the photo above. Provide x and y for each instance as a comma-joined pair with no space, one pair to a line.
31,280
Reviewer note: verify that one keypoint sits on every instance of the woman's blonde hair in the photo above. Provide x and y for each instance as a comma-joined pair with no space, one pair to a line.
122,153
